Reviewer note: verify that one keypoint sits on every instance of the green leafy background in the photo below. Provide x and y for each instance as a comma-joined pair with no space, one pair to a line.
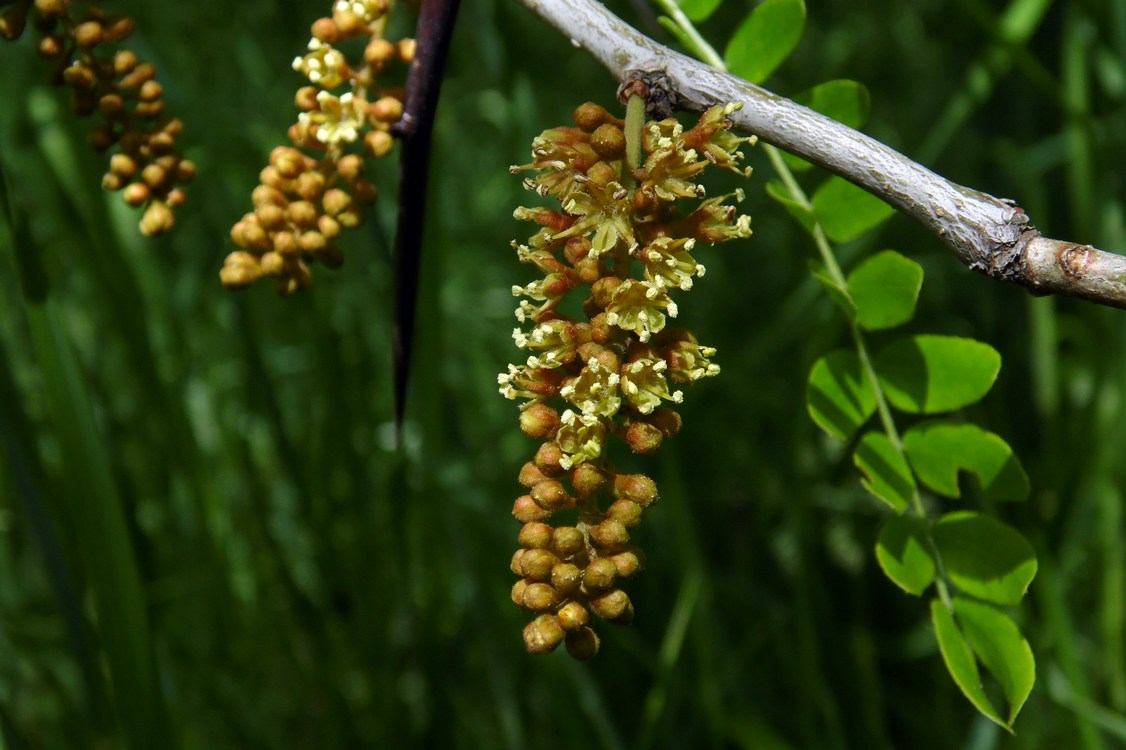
224,464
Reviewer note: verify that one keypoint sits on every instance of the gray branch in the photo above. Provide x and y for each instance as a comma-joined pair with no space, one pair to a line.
990,235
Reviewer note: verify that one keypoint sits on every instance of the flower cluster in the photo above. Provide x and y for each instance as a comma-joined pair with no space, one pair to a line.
304,201
624,235
121,91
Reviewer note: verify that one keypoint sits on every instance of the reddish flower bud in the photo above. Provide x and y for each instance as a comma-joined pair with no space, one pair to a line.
525,510
551,495
535,535
539,421
637,488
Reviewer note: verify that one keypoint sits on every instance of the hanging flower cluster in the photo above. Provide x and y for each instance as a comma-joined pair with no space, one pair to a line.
120,91
303,201
624,236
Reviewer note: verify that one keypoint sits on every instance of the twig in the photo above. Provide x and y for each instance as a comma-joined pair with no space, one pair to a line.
424,81
990,235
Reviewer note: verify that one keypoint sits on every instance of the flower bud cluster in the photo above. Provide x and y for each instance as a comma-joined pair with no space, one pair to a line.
316,187
121,91
625,237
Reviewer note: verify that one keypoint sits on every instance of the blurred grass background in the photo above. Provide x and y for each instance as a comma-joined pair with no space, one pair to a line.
208,540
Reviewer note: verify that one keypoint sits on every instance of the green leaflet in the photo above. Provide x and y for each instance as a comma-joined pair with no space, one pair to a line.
984,557
698,10
885,288
960,661
886,473
930,374
1000,648
765,38
839,397
846,211
901,550
939,451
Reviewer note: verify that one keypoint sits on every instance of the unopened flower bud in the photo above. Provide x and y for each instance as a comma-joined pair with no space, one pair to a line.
547,459
626,512
609,534
517,593
566,578
627,562
535,535
589,116
609,142
551,495
572,616
582,644
599,575
637,488
540,597
613,606
136,193
515,564
588,479
666,420
543,635
530,475
88,34
567,541
539,421
537,564
525,510
157,219
642,437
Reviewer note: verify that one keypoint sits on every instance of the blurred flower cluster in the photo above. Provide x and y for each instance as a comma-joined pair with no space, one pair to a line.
122,92
315,188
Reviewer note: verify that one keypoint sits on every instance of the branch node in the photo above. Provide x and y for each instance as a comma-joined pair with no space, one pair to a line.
654,88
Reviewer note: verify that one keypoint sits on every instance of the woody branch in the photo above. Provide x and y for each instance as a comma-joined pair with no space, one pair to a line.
990,235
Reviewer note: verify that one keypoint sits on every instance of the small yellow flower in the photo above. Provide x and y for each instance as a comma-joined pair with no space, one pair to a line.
338,119
324,65
668,263
526,382
369,11
580,438
594,391
605,210
556,341
640,307
688,361
644,384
